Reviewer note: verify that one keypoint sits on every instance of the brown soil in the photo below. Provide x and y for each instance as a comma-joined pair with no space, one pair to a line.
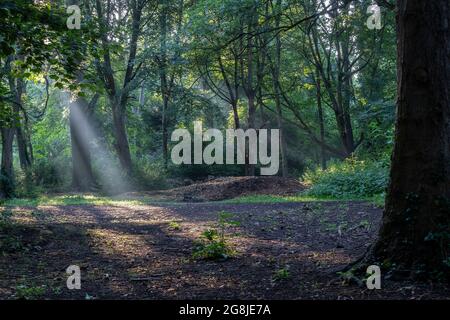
227,188
145,252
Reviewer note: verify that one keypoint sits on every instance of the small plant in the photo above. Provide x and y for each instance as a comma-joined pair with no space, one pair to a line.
213,244
214,250
281,274
225,221
349,277
30,293
173,225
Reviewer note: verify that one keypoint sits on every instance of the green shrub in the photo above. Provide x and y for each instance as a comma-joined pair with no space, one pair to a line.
281,274
213,244
211,249
26,186
30,293
349,178
50,175
149,174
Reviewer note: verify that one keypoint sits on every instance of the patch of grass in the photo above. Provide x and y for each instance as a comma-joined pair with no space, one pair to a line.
379,200
281,274
262,198
30,293
82,199
301,197
173,225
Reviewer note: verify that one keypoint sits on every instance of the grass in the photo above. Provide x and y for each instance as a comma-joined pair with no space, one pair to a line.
92,199
281,274
377,200
82,199
174,225
30,293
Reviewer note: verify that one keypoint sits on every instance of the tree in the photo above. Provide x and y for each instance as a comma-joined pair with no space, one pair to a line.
167,75
32,35
415,233
118,94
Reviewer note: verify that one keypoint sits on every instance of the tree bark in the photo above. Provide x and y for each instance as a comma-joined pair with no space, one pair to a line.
163,81
249,88
118,95
415,234
276,67
120,136
17,88
7,170
323,161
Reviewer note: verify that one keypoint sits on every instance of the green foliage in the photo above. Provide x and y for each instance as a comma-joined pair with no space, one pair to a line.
26,185
211,249
47,174
213,244
30,292
174,225
203,50
149,174
349,178
281,274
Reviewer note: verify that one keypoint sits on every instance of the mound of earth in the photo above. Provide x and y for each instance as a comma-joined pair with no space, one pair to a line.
230,187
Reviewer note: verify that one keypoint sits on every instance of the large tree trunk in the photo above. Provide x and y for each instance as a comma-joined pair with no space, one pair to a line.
17,88
7,170
22,145
415,234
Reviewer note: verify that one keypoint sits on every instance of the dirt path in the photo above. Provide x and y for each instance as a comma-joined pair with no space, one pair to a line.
145,252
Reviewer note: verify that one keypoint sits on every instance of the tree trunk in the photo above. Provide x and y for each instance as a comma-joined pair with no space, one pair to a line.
323,161
7,170
120,136
164,86
118,95
276,79
17,87
415,234
24,156
250,92
165,140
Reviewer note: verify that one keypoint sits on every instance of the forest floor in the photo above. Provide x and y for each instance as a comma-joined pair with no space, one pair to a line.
132,249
